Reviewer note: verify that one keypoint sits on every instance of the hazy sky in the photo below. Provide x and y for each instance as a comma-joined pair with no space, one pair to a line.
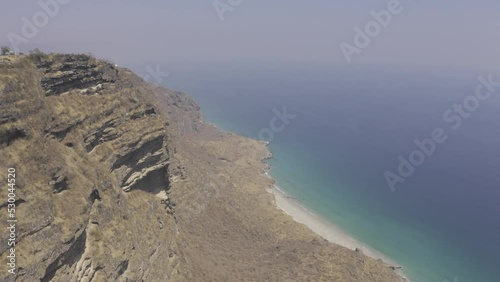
446,33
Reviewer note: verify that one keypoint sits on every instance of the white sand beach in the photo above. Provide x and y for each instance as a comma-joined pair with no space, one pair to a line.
323,228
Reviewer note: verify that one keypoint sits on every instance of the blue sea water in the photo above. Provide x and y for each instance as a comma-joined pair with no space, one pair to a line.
351,124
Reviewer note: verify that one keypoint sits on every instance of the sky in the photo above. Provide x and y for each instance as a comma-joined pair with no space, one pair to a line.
444,33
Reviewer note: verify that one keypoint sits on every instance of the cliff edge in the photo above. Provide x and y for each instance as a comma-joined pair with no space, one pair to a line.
120,180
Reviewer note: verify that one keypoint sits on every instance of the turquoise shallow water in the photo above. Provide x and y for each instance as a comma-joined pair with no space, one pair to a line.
350,126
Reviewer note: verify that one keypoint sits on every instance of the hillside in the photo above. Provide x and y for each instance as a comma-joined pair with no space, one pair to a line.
120,180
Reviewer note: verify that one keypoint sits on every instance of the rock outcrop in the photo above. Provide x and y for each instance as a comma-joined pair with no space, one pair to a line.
91,156
76,72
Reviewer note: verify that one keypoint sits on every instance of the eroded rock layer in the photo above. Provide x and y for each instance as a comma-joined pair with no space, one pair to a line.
90,153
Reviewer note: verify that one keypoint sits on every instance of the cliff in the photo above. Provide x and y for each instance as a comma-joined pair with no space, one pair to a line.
119,180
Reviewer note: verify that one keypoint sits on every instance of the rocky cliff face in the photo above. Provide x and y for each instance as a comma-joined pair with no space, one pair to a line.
80,134
118,180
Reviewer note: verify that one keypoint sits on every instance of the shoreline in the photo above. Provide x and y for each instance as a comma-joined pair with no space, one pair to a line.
325,229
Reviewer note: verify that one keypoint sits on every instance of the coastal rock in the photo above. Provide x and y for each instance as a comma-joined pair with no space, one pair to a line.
78,138
358,250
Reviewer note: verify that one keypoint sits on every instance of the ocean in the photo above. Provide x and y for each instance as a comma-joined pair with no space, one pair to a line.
334,132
